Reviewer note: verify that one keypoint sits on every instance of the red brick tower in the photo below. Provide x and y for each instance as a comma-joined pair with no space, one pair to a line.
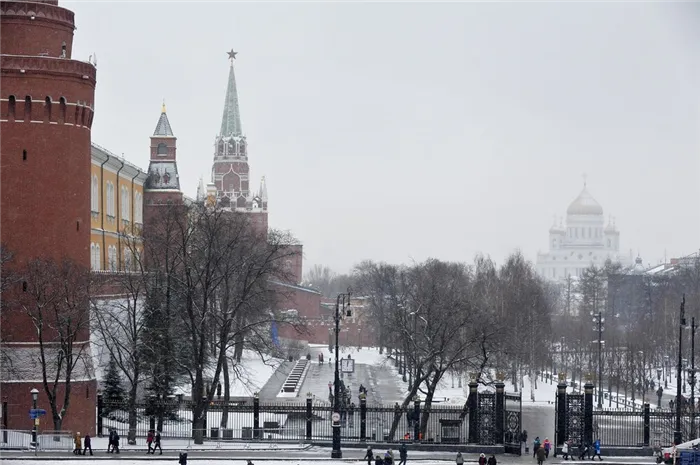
230,181
46,112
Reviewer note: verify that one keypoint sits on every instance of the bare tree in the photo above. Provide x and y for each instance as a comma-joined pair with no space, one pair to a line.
120,324
7,279
56,299
223,287
321,277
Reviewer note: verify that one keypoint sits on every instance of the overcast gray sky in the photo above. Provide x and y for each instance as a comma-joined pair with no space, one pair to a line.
401,131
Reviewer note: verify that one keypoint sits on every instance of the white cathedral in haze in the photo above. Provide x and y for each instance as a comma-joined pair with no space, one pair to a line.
582,241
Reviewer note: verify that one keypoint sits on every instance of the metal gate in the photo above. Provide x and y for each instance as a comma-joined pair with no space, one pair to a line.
574,419
487,418
513,423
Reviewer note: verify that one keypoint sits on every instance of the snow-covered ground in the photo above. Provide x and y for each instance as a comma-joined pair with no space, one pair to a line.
250,375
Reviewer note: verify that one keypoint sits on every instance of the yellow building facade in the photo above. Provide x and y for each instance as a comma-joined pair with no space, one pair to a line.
116,211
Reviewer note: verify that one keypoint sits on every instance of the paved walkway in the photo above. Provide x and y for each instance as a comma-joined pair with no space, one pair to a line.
380,381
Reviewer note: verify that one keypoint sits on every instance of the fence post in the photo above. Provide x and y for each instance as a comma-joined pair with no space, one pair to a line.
416,419
309,415
500,407
472,401
561,432
588,412
647,413
363,417
256,416
100,410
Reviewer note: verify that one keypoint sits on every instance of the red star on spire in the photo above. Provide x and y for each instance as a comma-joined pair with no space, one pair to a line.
232,55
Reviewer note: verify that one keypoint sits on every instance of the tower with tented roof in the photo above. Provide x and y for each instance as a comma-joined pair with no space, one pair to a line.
230,186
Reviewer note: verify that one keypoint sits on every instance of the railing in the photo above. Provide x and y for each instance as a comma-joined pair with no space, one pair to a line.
16,439
287,422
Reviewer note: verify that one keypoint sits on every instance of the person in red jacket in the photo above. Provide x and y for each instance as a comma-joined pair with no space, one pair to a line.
149,441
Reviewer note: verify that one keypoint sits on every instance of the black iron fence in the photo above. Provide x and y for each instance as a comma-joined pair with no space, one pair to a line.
311,421
577,421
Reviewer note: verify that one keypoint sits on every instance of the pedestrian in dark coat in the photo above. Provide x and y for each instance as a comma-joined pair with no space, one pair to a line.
87,442
115,443
378,460
369,455
157,444
482,459
541,455
110,444
403,453
492,460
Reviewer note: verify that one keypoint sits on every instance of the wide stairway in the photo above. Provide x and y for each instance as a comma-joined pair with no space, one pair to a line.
294,381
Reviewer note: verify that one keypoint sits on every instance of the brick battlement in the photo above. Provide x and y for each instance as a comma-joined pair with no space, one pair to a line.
59,67
40,11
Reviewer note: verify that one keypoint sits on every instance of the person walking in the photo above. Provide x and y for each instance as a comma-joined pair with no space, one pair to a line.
482,459
459,460
87,441
115,442
582,451
149,441
536,446
369,455
157,444
78,449
596,450
492,460
541,456
565,450
110,444
403,453
547,446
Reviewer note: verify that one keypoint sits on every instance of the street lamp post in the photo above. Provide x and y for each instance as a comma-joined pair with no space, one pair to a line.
666,371
691,375
599,320
35,398
678,434
336,453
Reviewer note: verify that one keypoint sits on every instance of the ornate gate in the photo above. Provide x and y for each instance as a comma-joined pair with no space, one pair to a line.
513,423
574,418
487,418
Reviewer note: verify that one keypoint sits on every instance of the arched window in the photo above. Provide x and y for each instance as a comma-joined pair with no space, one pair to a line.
162,149
62,110
138,208
27,109
47,110
125,211
95,198
110,199
127,259
83,116
95,256
112,257
77,114
11,108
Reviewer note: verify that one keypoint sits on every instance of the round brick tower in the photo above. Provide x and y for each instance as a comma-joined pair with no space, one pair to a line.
46,111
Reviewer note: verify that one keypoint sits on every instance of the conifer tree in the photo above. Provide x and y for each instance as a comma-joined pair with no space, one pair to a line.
113,390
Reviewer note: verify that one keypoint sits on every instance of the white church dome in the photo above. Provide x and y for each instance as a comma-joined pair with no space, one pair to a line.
584,204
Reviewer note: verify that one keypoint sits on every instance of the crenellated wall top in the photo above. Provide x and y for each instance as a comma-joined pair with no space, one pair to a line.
11,64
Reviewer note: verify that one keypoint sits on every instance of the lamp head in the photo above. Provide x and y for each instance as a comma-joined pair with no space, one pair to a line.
35,393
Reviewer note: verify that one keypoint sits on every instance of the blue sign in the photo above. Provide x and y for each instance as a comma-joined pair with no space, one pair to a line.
35,413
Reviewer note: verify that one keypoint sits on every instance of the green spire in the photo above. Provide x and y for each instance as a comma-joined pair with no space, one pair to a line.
231,121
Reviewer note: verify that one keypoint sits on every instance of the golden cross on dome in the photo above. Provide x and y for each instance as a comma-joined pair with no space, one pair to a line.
232,55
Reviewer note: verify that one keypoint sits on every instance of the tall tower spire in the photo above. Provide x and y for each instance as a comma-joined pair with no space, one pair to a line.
231,120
